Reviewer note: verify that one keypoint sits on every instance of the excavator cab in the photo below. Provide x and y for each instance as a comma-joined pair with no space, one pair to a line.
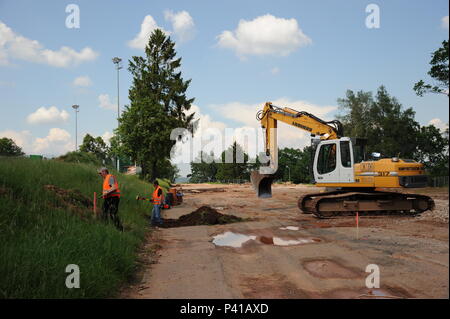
333,161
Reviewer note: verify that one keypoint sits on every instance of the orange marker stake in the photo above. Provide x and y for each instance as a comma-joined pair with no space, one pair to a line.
357,225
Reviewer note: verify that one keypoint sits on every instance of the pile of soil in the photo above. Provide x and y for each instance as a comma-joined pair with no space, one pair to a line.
205,215
72,199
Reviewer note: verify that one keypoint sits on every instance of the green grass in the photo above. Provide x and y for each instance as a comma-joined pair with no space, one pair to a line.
38,239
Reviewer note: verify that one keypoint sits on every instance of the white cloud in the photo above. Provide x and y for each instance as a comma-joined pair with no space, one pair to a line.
205,120
288,136
182,24
107,137
265,35
21,138
439,124
57,142
204,126
105,102
147,26
275,70
15,46
444,22
83,81
246,113
48,116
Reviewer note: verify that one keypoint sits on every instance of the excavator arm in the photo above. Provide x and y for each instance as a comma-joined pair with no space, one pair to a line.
303,120
269,117
271,114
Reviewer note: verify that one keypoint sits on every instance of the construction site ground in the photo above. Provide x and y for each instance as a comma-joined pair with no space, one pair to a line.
278,252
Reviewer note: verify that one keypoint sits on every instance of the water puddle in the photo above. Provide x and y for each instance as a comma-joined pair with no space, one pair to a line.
290,228
378,293
236,240
231,239
277,241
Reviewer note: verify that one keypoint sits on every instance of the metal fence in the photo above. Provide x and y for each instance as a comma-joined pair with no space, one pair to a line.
225,181
438,181
234,181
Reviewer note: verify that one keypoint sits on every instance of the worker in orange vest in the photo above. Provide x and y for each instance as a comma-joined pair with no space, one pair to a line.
111,196
157,201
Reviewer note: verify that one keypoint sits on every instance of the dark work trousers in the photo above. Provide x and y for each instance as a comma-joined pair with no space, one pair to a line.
111,211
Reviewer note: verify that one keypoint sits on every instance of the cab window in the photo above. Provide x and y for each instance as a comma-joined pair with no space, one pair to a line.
346,159
326,161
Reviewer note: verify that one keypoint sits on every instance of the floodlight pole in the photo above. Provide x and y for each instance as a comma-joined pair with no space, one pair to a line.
116,61
75,107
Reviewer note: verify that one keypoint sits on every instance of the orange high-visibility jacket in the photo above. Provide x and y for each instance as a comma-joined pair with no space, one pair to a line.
157,200
107,186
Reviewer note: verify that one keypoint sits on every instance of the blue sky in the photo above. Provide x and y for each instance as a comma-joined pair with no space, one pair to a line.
335,52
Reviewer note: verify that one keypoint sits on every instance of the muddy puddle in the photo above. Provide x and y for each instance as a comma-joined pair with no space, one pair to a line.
236,240
326,268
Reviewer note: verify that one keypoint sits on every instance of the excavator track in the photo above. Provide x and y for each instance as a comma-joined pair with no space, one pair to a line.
348,203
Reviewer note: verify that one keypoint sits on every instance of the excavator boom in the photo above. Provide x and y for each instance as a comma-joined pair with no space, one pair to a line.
269,117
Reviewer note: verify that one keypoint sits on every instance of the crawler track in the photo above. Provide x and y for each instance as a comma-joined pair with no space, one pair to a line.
347,203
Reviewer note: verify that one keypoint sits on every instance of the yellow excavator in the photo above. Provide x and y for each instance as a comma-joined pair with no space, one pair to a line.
339,164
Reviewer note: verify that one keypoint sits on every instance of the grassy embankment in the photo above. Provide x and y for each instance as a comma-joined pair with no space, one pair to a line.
41,233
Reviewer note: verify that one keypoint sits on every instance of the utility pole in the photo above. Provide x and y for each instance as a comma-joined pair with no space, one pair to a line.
75,107
116,61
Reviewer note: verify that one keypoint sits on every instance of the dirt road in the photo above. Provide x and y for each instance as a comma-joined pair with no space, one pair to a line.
281,253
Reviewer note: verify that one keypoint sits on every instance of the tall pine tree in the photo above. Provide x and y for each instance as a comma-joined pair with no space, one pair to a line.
158,104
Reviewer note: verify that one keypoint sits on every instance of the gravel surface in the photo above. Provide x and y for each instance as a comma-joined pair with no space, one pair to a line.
440,212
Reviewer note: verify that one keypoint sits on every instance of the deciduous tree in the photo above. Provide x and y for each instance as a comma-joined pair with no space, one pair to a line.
439,72
392,130
389,129
95,146
9,148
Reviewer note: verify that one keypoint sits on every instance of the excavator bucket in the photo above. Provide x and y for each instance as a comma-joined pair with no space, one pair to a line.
262,183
